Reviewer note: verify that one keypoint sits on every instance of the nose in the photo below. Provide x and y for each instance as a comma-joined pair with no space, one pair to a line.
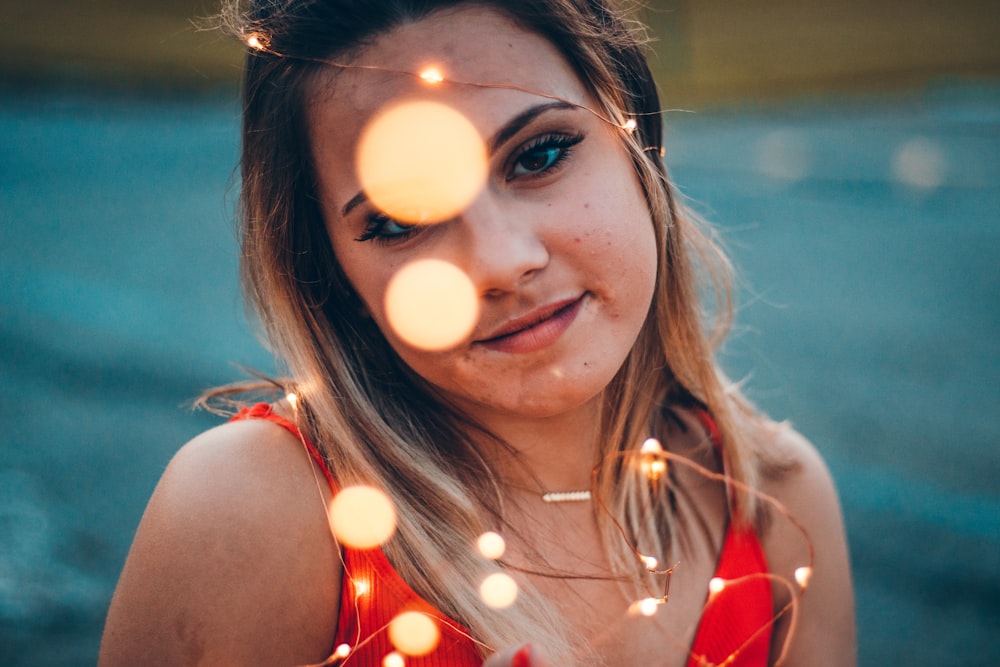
501,245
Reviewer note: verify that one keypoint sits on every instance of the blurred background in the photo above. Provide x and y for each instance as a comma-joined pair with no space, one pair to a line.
848,150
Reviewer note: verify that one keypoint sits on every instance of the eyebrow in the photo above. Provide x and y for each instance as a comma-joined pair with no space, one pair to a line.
499,138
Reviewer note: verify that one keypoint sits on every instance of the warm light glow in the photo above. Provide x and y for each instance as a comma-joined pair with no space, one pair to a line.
362,517
715,585
491,545
650,562
342,651
393,660
630,125
651,446
498,590
431,304
431,75
293,399
414,633
645,607
421,162
654,468
802,575
256,41
360,587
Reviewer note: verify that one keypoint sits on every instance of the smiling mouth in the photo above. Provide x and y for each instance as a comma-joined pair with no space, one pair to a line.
538,331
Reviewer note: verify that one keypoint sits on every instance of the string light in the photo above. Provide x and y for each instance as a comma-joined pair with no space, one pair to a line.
491,545
361,587
293,399
362,517
431,304
393,659
414,633
654,466
421,162
498,590
257,41
432,75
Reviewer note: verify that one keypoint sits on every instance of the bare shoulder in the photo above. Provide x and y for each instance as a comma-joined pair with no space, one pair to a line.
233,562
824,632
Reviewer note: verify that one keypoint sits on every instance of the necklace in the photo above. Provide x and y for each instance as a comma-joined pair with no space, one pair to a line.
566,496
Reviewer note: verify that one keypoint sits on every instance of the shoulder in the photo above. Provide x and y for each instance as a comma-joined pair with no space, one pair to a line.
824,632
233,561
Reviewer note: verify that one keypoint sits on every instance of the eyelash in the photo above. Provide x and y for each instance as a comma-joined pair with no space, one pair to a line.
376,222
564,143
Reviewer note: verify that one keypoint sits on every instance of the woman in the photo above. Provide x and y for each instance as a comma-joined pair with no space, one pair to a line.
588,340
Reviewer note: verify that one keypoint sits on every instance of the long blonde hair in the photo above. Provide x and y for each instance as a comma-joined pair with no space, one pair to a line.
375,421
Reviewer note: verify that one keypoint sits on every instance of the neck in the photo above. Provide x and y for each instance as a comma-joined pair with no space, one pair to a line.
554,453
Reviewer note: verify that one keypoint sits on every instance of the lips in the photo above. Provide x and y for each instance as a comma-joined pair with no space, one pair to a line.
536,330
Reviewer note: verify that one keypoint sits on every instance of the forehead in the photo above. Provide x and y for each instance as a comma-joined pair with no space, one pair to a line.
487,60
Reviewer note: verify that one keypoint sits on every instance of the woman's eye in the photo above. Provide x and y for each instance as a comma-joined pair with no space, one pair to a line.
543,155
383,229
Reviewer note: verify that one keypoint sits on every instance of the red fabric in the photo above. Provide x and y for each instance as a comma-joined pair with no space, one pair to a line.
735,625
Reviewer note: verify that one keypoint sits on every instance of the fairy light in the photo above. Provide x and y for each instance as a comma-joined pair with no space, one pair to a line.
498,590
362,517
653,458
293,399
431,75
256,41
361,587
651,446
652,463
421,162
393,659
645,607
431,304
414,633
491,545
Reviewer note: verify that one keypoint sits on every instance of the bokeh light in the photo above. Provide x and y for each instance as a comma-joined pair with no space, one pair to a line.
498,590
414,633
421,162
491,545
920,163
393,659
784,155
431,304
431,74
362,517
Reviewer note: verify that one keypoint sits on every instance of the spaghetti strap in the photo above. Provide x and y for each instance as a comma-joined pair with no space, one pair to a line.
266,412
735,627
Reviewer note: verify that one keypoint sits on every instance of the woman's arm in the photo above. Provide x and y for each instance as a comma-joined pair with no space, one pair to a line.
822,629
233,562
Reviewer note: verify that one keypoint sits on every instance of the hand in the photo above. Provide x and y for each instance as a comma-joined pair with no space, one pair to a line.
517,656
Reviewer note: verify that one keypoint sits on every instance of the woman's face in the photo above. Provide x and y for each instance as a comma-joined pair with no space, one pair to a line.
558,244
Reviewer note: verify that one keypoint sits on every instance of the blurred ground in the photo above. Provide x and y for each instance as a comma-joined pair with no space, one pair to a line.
864,219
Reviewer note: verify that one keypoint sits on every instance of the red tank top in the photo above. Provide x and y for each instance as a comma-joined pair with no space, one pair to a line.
735,624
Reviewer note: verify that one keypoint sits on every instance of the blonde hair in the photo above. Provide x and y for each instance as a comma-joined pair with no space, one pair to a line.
375,421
